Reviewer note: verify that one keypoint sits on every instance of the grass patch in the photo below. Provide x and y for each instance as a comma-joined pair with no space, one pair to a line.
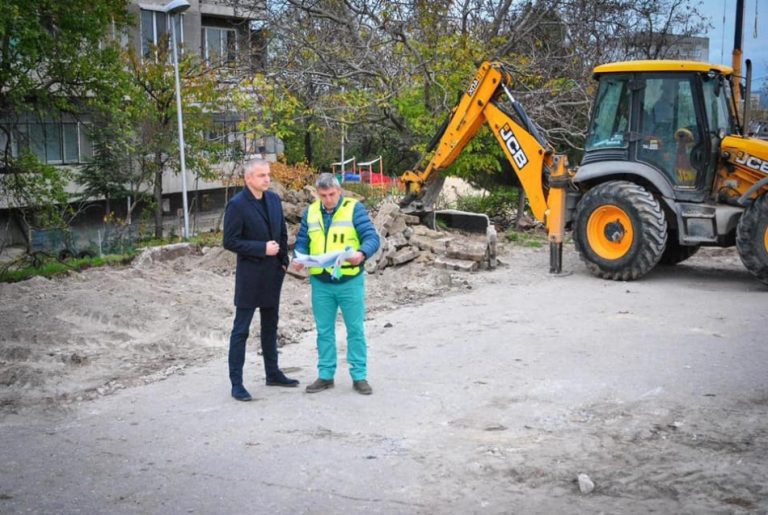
495,204
205,239
532,239
48,266
208,239
372,194
53,267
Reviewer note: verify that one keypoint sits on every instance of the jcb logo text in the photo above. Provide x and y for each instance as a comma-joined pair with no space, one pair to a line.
472,87
513,146
752,162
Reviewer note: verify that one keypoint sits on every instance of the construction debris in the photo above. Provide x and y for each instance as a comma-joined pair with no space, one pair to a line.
586,485
403,239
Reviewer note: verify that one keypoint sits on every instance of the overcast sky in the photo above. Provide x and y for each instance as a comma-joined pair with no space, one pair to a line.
755,44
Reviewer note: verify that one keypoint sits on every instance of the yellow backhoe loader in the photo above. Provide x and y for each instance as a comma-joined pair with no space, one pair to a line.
666,167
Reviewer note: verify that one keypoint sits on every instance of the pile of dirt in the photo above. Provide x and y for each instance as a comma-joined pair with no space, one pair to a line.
91,333
94,332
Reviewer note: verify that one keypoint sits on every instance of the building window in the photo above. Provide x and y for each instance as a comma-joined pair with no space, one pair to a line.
52,142
228,134
219,45
154,26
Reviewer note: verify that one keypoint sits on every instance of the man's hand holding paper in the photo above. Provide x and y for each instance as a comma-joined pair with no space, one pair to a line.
327,260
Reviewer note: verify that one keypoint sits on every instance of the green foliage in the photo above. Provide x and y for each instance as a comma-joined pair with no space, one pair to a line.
152,103
153,97
268,108
426,105
36,191
53,52
55,57
480,163
497,203
144,243
110,174
49,267
532,239
208,239
372,195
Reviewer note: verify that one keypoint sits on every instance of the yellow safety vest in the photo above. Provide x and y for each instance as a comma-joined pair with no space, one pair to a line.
341,234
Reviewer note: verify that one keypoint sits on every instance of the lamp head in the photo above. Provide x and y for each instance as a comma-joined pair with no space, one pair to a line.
176,7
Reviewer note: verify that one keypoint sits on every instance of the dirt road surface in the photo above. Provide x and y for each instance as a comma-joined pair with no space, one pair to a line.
493,391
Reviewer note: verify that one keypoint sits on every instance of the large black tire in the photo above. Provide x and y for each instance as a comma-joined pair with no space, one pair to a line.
619,230
676,253
752,238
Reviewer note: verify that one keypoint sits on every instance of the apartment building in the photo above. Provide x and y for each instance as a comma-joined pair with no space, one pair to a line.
222,37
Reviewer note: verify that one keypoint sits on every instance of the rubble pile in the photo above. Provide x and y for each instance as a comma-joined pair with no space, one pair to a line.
403,238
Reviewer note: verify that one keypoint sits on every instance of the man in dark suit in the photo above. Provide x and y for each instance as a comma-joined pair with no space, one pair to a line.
254,229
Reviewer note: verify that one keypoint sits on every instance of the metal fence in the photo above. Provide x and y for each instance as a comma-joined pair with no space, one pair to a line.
82,242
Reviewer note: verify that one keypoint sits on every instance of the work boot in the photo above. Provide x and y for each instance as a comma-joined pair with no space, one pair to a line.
240,393
280,379
319,385
362,387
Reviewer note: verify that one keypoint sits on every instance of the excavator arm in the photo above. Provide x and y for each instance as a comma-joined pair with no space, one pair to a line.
544,176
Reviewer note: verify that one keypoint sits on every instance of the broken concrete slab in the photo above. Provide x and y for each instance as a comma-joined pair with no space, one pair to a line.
293,212
438,246
455,264
386,215
397,225
423,230
310,194
398,240
404,255
469,250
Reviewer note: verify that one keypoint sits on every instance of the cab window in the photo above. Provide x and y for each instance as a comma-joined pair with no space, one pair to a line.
668,128
610,121
716,98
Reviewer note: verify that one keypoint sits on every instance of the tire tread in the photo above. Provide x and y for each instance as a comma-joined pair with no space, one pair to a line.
652,229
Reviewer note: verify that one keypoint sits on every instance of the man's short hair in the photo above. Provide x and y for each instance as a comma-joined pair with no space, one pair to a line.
254,163
326,181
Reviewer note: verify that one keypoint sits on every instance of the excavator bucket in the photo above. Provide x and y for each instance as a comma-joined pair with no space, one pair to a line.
460,220
468,222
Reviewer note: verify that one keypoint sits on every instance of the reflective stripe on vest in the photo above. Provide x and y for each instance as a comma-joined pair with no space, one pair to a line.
341,234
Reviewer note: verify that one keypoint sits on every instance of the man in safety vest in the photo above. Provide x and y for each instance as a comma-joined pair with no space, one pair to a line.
335,223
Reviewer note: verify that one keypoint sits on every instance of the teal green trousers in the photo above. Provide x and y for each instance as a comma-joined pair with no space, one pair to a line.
327,299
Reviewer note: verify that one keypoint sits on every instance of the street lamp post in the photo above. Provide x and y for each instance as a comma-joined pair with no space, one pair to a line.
171,8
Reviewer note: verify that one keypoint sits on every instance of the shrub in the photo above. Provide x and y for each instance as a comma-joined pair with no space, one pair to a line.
51,267
293,177
497,204
208,239
373,194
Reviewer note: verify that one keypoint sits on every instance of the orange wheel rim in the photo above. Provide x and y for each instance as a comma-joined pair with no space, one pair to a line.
765,239
609,231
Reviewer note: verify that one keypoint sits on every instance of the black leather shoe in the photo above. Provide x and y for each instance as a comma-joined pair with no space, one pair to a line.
240,393
281,380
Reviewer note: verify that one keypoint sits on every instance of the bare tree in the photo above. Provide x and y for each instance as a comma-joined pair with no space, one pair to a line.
360,61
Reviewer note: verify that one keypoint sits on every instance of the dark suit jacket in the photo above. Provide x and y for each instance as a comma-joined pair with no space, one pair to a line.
247,229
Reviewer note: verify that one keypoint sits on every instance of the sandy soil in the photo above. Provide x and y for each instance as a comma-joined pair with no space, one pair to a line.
92,333
493,391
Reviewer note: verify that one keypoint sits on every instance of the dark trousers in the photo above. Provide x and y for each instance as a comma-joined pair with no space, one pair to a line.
239,336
